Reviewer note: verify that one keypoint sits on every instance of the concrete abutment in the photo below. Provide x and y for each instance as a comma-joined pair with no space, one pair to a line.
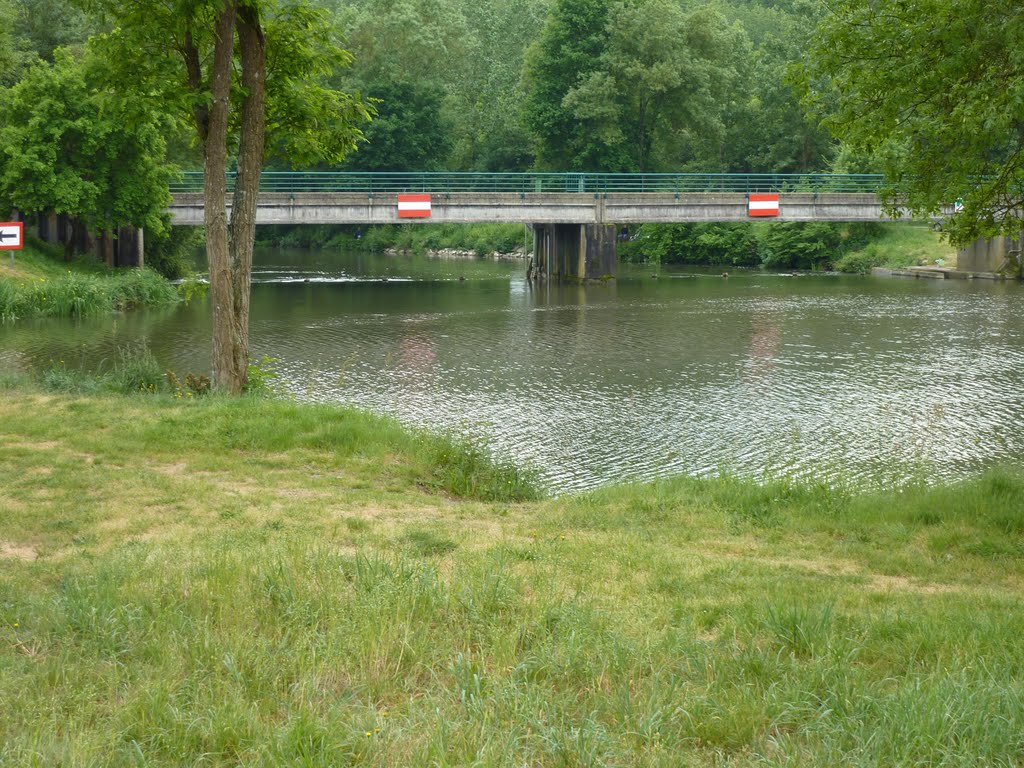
998,255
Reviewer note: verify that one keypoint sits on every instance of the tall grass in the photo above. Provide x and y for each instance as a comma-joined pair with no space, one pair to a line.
80,295
134,369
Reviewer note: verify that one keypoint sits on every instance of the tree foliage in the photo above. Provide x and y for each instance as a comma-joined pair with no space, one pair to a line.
662,79
766,130
566,53
63,149
775,245
933,90
409,132
8,57
43,26
486,103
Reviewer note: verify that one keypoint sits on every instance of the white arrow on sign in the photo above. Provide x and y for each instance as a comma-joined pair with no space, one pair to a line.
12,235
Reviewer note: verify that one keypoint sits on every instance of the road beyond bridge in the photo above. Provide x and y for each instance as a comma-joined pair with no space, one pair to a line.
575,216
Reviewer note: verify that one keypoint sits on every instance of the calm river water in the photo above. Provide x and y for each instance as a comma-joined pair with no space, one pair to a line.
827,377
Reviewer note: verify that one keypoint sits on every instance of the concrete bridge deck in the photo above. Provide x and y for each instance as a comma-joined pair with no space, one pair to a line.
609,208
574,216
334,197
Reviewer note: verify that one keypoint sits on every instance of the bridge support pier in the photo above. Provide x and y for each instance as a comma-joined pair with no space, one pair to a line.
575,252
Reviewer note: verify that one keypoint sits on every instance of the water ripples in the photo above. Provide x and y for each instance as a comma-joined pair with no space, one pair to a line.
872,381
854,384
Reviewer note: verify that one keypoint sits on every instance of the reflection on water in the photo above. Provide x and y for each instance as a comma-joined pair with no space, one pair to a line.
828,377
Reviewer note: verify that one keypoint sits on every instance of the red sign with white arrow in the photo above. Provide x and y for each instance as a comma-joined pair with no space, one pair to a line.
414,206
12,235
763,205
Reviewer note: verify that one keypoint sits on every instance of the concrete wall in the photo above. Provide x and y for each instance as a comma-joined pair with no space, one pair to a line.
1000,254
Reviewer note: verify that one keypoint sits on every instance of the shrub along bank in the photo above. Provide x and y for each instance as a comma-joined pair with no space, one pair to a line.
245,581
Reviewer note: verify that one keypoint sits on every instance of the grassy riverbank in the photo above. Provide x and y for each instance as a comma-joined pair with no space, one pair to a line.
897,246
221,582
39,283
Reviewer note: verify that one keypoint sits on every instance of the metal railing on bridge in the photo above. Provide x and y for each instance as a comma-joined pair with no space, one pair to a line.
524,183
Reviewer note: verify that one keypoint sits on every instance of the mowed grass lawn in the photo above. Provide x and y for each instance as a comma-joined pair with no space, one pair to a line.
216,582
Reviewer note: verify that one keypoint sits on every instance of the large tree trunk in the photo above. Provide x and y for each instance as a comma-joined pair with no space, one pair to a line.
252,52
215,203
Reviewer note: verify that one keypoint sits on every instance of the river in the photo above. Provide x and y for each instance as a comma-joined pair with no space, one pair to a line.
873,381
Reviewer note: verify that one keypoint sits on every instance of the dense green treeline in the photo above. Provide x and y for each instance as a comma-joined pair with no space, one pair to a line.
590,85
479,239
554,84
843,247
816,245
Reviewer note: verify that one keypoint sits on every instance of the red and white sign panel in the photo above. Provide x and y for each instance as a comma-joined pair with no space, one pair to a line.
414,206
12,235
763,205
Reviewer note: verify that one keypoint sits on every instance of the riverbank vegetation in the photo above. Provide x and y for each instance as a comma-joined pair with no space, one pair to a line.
819,246
261,582
854,248
942,131
39,283
896,246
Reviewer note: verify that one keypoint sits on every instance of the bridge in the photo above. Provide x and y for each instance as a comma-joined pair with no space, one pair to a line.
575,216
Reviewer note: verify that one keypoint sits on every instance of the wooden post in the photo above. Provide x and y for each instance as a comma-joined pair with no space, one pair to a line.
108,248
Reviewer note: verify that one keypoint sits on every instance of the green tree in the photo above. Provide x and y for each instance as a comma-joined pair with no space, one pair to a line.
43,26
63,150
934,91
250,77
7,58
468,51
767,130
662,79
568,51
408,55
486,101
409,132
422,41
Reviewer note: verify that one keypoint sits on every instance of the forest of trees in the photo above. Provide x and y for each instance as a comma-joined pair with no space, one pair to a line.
596,85
617,85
